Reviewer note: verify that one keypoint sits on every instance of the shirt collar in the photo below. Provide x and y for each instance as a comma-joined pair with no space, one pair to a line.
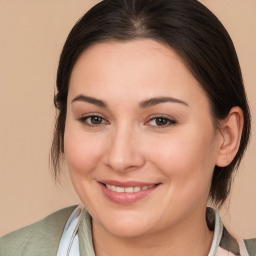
79,226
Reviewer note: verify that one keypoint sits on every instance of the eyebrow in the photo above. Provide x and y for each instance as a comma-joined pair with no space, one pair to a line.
144,104
158,100
91,100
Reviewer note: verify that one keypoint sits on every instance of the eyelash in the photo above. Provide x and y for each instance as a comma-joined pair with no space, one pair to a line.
85,118
169,122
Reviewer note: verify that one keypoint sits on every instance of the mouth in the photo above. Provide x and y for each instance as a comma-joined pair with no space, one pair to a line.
128,189
128,192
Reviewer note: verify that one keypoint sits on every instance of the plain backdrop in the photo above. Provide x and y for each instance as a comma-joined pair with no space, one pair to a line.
32,33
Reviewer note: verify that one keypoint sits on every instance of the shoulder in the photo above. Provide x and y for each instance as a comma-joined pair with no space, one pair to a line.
251,246
40,238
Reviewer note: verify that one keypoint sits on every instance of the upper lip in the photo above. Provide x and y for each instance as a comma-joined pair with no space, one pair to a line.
127,184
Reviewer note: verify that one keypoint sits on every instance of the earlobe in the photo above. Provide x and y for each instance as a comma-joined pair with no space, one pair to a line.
231,131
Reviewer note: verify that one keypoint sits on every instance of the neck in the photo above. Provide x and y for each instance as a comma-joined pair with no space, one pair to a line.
191,237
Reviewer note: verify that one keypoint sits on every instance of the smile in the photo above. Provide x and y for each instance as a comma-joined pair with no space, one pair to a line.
127,192
127,189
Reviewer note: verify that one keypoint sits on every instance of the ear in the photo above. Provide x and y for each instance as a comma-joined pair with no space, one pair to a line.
231,131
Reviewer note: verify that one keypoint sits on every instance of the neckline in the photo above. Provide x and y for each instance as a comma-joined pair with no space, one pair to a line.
79,225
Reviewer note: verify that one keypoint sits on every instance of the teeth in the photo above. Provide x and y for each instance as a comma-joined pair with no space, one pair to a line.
119,189
136,189
129,189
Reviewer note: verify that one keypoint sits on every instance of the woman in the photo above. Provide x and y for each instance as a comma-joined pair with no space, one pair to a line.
152,120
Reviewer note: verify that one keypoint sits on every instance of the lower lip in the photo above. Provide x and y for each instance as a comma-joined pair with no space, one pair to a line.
125,197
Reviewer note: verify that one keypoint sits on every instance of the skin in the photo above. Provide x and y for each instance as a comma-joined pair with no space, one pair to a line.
130,144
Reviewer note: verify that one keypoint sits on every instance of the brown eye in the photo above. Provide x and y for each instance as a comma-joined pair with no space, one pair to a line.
92,120
161,122
95,119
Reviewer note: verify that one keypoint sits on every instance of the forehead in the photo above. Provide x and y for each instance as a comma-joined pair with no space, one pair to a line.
141,69
124,55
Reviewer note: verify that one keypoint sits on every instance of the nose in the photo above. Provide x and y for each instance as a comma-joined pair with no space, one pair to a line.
124,151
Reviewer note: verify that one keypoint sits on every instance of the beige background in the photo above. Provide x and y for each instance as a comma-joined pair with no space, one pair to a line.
32,33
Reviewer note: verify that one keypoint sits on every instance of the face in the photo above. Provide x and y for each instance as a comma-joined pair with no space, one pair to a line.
139,141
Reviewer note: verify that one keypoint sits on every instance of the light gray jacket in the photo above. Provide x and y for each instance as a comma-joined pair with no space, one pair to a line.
43,238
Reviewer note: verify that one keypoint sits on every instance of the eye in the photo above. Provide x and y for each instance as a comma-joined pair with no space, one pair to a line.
161,122
93,120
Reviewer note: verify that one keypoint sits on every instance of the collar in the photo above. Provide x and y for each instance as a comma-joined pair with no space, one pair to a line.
76,239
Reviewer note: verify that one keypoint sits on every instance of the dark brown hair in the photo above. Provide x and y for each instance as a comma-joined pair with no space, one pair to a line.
193,32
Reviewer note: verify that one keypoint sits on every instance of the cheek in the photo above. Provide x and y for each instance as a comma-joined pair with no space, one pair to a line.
186,158
82,151
187,164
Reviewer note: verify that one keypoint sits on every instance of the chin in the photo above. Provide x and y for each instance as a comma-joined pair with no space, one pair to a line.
127,231
126,226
